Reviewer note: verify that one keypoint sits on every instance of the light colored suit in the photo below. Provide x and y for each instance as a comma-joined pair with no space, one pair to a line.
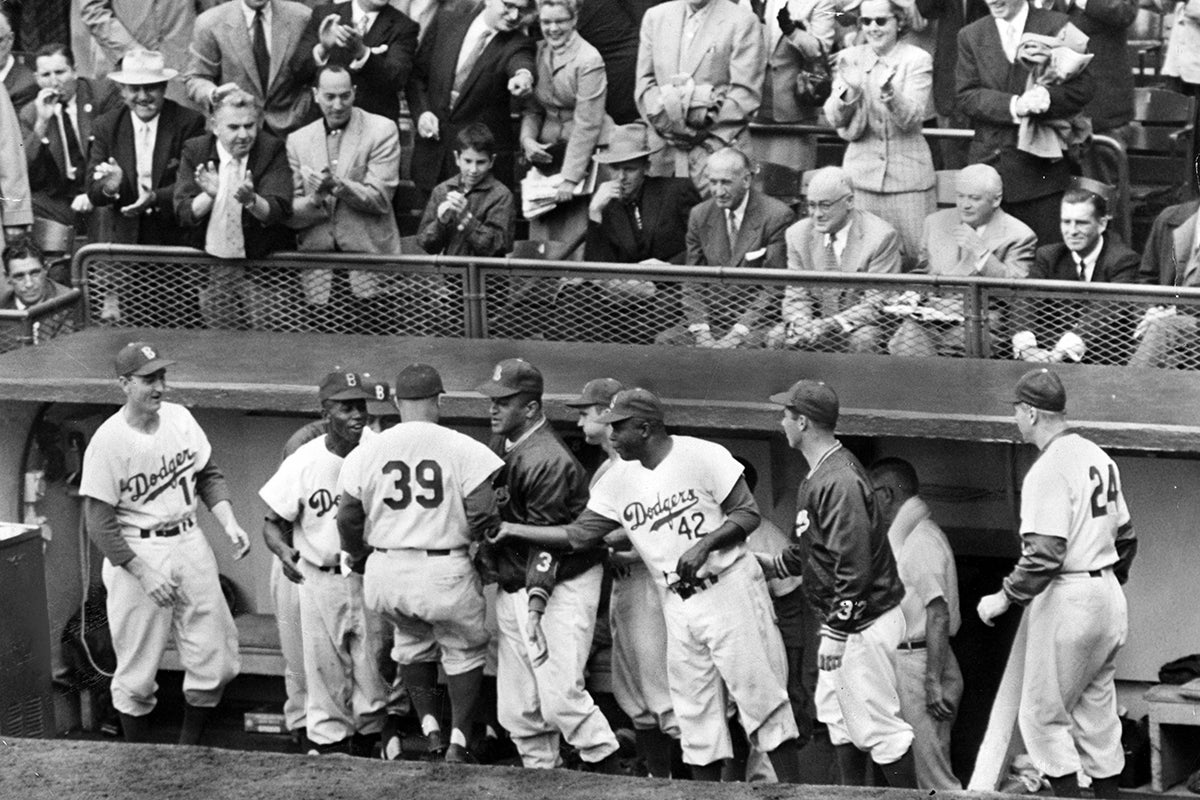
726,54
221,52
358,218
16,202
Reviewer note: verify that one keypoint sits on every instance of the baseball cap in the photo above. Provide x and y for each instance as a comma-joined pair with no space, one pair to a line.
814,399
598,392
380,404
1042,389
342,385
417,381
140,358
629,403
511,376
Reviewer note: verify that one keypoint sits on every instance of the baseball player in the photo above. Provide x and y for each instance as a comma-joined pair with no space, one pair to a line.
341,639
1077,545
687,511
419,494
547,600
851,580
143,472
639,633
929,680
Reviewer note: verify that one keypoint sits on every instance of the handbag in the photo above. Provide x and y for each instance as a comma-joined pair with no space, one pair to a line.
814,81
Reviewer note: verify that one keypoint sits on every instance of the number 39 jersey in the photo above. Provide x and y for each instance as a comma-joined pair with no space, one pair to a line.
412,479
150,478
1073,491
666,509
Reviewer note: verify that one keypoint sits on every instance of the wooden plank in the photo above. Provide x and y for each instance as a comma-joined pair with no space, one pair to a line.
957,399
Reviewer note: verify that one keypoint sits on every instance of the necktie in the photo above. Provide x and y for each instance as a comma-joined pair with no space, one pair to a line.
830,298
363,25
225,237
262,59
74,155
731,222
637,217
468,64
145,158
1079,268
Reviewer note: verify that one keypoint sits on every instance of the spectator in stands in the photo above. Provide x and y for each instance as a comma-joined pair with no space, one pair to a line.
611,26
993,93
472,214
27,285
345,168
928,677
976,237
1171,258
58,126
797,35
252,43
565,120
1182,61
1053,331
737,226
18,79
835,237
880,94
699,81
949,16
471,63
375,41
235,192
16,204
115,27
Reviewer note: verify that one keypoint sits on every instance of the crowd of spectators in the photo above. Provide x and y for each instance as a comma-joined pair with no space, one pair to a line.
512,110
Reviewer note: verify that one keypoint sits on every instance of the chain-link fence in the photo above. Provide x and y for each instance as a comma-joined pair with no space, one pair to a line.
40,323
900,315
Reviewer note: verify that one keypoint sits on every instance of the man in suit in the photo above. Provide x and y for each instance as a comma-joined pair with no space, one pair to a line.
58,127
1050,332
345,168
699,80
234,193
835,236
111,28
992,93
374,40
1171,258
736,227
976,237
16,205
252,43
471,61
951,16
18,79
26,285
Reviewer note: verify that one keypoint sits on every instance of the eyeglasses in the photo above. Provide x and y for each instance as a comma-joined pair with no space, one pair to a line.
825,205
877,21
513,8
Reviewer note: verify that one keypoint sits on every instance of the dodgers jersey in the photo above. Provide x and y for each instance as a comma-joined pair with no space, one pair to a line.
412,480
304,491
1073,491
149,478
666,509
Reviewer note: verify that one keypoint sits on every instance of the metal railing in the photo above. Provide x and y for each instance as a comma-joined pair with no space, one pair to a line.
904,315
41,322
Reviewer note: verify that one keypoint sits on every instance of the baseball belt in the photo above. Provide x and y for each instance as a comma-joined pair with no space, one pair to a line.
915,644
441,552
686,590
175,530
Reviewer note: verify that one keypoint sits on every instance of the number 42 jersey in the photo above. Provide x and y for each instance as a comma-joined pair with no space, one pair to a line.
412,480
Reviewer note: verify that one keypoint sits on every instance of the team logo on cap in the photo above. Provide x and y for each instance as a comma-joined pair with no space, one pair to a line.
802,522
499,371
148,353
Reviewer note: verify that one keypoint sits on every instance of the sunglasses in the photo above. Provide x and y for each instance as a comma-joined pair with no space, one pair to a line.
877,21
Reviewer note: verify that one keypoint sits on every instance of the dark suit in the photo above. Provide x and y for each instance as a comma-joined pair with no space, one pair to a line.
950,19
60,322
611,26
1106,22
664,206
987,81
115,137
484,96
379,82
21,84
1103,327
52,190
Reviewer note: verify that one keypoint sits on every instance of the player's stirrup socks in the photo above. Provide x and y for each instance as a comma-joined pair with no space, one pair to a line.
136,729
852,764
785,760
902,773
1064,785
655,747
1107,788
194,719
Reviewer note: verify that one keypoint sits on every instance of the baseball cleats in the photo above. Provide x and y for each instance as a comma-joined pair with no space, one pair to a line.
437,748
457,754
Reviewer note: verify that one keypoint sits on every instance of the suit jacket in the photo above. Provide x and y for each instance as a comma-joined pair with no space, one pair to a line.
664,205
779,101
1166,257
16,203
378,83
727,53
221,52
115,138
872,245
763,224
887,152
359,218
568,104
484,96
1106,23
113,27
48,162
987,81
48,326
272,178
611,26
21,84
1011,244
951,17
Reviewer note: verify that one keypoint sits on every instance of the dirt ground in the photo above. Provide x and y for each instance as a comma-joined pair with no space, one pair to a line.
35,769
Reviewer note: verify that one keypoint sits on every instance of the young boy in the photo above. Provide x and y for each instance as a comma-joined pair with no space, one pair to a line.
472,214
